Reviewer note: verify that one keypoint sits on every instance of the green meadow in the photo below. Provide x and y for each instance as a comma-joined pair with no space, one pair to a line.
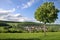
30,36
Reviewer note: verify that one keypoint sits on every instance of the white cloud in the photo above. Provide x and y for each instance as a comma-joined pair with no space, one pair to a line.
34,20
16,17
8,15
28,4
7,11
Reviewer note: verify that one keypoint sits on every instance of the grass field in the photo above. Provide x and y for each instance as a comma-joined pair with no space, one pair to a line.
30,36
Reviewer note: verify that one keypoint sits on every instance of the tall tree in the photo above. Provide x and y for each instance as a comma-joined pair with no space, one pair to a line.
46,13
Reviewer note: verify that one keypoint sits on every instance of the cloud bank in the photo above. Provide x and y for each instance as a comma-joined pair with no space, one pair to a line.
8,15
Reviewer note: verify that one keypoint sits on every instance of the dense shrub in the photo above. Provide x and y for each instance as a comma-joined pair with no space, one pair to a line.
53,29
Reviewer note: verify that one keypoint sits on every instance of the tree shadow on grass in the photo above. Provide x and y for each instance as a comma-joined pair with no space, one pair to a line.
22,39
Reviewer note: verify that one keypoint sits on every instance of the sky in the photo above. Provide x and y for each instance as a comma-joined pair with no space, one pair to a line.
23,10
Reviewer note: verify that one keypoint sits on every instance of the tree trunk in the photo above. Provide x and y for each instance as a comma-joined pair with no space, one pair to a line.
44,29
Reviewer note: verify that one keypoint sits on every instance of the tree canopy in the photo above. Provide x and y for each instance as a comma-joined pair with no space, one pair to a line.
46,13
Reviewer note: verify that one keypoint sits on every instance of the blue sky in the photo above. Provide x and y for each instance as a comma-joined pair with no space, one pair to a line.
22,10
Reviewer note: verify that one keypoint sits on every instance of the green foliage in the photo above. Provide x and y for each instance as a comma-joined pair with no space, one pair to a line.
4,24
2,30
19,27
53,28
46,13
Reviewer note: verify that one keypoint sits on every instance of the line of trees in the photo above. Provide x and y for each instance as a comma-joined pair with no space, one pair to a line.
20,27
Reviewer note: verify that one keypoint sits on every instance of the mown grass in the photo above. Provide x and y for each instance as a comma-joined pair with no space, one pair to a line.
30,36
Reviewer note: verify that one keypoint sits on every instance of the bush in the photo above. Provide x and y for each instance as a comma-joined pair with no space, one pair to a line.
53,29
